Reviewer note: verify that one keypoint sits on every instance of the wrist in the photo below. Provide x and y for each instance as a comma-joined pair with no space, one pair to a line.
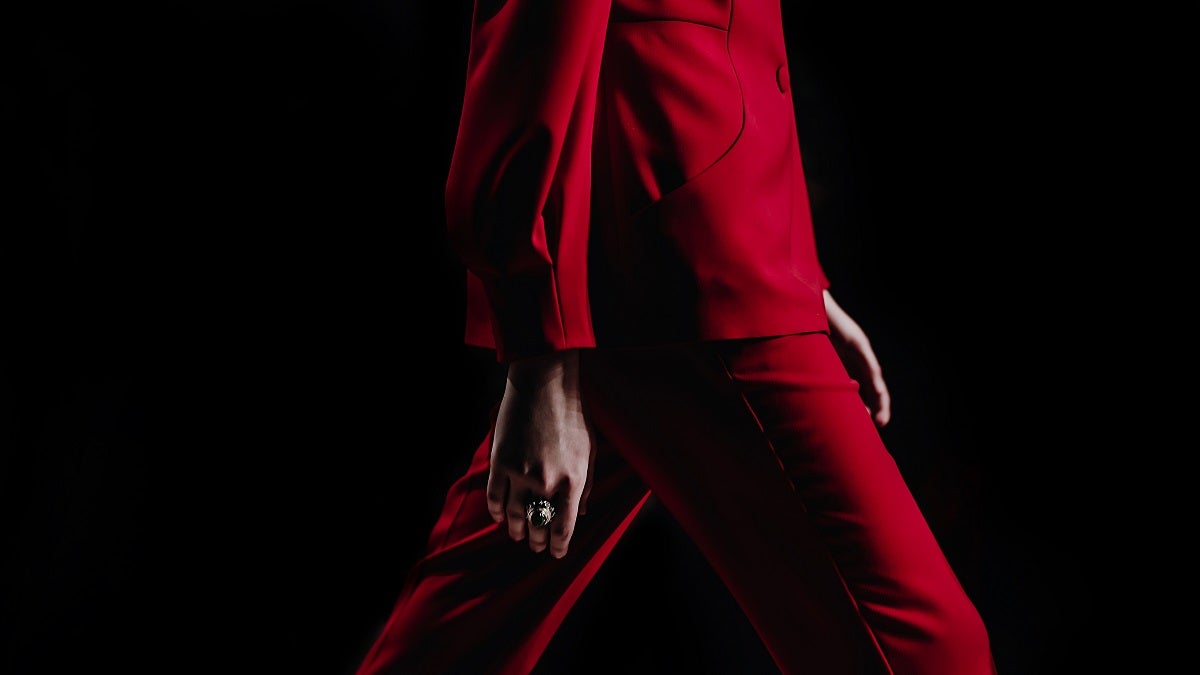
544,367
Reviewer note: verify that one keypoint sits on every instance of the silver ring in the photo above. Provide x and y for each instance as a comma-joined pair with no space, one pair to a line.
539,512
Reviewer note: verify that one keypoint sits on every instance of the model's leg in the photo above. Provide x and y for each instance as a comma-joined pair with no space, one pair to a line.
479,602
766,455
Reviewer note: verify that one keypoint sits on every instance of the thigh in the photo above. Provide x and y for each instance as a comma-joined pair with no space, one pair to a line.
858,502
768,458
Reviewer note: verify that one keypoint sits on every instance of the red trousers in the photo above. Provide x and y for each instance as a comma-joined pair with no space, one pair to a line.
767,457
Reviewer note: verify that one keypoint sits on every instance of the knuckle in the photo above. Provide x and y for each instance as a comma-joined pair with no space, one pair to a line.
533,470
540,484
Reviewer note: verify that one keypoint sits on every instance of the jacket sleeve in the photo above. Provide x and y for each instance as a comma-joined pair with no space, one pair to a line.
518,192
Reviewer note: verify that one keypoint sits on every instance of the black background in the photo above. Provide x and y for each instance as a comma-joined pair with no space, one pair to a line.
232,391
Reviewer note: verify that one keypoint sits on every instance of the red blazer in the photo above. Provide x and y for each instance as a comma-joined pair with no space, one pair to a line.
627,172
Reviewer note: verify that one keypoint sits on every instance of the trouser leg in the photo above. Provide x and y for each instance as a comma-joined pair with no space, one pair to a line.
480,603
764,452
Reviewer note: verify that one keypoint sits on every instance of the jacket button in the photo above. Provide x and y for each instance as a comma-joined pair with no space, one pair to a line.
781,78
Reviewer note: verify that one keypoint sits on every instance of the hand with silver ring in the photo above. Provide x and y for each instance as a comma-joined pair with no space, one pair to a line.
540,468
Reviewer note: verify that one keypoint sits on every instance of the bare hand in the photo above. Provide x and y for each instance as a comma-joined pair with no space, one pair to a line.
543,448
859,358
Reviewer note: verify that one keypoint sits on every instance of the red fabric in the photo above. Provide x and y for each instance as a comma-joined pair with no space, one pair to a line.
628,172
764,453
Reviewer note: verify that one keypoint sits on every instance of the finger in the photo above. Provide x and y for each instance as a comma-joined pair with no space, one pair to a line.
538,536
515,512
877,403
874,389
497,491
563,526
883,406
587,483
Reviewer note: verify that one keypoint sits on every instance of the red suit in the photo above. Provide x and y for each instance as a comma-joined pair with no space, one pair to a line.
627,180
